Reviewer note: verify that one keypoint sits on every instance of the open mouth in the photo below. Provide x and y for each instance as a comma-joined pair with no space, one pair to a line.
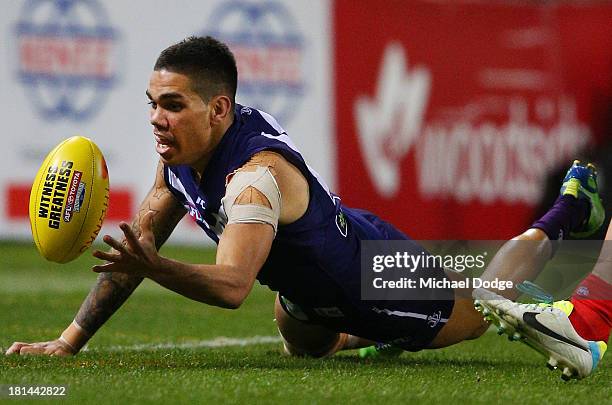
162,145
162,148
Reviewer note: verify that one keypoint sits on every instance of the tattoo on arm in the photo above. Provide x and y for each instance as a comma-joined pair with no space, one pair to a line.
162,227
113,289
109,293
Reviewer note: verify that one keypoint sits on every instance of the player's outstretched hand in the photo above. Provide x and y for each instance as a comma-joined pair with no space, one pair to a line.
138,256
51,348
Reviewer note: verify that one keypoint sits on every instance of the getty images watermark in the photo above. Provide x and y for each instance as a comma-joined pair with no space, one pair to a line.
411,262
411,270
435,270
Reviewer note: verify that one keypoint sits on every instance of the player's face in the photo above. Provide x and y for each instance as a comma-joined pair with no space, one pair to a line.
181,120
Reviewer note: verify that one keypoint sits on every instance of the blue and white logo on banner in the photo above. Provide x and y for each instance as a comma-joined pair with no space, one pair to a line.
270,54
67,56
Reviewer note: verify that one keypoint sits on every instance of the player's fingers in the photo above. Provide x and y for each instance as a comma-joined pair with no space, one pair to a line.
32,349
115,244
108,256
104,268
112,268
15,348
131,238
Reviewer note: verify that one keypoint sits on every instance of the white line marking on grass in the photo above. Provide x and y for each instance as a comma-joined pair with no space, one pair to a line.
220,341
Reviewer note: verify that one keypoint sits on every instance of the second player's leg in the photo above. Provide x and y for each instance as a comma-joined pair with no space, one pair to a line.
519,259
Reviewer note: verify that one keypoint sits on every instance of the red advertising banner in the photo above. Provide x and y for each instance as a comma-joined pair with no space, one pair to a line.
449,116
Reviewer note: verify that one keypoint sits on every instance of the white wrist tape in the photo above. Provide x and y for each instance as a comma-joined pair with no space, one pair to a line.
80,329
67,343
263,181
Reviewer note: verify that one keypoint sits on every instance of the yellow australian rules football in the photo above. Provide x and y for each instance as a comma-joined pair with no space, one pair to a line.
69,199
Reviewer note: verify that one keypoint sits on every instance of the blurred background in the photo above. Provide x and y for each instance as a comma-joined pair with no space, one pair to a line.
451,119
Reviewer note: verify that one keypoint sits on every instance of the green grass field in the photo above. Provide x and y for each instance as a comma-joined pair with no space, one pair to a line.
123,365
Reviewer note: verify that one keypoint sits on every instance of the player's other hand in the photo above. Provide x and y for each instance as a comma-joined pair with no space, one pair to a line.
51,348
138,256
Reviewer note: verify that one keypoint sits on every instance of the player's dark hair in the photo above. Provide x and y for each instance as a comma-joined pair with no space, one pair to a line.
208,63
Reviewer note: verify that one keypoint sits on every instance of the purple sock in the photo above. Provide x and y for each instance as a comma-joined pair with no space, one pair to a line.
566,215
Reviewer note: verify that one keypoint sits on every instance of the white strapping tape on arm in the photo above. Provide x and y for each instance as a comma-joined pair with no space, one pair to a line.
262,180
